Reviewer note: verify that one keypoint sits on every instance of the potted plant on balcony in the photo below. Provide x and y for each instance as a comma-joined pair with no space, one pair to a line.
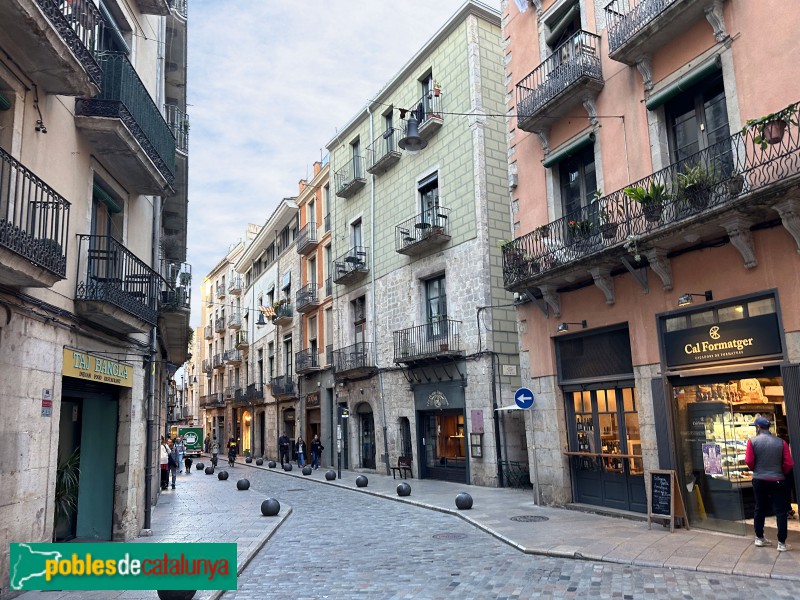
695,186
541,232
652,199
735,184
579,229
770,128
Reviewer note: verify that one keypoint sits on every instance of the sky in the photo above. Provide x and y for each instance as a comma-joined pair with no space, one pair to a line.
269,83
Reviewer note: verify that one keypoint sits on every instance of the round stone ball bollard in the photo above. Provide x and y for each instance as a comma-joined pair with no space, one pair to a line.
404,489
270,507
243,485
362,481
176,594
248,460
330,475
307,470
272,464
209,470
259,461
199,466
287,466
463,501
222,475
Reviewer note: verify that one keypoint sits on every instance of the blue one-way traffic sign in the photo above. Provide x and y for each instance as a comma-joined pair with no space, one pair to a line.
524,398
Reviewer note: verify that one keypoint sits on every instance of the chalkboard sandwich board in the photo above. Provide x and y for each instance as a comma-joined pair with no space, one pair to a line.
665,500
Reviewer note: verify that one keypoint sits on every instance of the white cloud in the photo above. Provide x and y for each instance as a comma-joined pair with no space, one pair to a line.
269,83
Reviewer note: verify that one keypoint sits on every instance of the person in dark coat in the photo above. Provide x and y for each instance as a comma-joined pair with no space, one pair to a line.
284,444
316,451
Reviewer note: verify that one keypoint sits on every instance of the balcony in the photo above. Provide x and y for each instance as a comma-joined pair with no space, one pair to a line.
284,315
179,7
206,365
208,332
438,339
283,387
561,83
218,362
306,361
726,188
210,299
383,153
235,321
255,392
430,114
178,123
214,400
307,298
306,241
235,286
175,308
219,325
240,396
127,129
350,178
351,267
639,28
34,223
354,362
422,233
53,41
229,392
221,291
114,288
242,342
232,357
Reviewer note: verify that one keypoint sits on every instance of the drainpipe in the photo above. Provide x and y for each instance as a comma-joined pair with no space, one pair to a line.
374,314
496,425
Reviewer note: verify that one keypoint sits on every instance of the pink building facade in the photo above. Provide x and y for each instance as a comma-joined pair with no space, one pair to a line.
656,240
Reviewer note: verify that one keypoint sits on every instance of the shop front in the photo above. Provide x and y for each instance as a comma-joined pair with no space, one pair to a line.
441,431
724,366
595,371
313,417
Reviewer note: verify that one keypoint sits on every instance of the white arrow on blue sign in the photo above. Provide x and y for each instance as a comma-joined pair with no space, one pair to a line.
524,398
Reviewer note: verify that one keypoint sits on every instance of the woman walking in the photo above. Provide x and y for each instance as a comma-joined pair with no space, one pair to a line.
300,448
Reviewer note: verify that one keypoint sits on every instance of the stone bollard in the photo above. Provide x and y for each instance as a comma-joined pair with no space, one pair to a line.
209,470
362,481
248,460
307,470
404,489
199,466
270,507
272,464
176,594
330,475
463,501
259,461
287,466
242,485
222,475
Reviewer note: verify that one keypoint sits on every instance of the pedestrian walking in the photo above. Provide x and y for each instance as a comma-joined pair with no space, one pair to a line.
164,463
172,460
214,453
300,449
232,451
284,445
769,458
180,447
207,443
316,451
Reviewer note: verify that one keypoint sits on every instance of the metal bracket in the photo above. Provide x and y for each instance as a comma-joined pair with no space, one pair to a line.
639,274
538,303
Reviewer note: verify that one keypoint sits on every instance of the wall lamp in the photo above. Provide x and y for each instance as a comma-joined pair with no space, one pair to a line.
688,299
565,326
412,142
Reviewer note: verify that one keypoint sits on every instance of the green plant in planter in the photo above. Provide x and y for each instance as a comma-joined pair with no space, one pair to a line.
695,185
542,232
579,228
652,198
769,128
66,497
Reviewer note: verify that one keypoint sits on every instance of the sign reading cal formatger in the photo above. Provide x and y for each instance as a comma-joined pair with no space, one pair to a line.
726,341
96,368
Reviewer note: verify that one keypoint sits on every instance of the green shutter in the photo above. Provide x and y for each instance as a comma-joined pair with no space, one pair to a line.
683,83
103,196
567,150
5,103
558,27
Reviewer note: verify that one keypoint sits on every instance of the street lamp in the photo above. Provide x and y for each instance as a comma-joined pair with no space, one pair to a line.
344,413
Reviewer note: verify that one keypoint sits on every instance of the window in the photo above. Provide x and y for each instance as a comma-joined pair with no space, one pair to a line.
428,190
698,120
388,132
311,213
107,214
271,359
312,337
287,353
359,308
328,326
436,306
312,271
563,24
578,181
355,149
356,235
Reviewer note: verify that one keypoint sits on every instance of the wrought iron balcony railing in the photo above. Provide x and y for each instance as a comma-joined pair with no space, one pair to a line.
208,332
435,339
218,361
283,386
34,219
77,22
240,396
307,238
235,285
351,266
423,231
180,7
306,361
219,324
241,340
383,152
626,18
212,400
232,357
430,113
725,175
235,320
573,64
230,392
307,298
206,365
283,314
353,358
124,96
350,178
109,272
177,292
178,122
255,391
220,291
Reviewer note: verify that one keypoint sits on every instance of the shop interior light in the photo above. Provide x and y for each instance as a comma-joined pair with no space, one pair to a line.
688,299
565,326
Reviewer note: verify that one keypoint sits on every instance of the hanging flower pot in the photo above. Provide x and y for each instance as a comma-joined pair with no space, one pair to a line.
609,230
773,131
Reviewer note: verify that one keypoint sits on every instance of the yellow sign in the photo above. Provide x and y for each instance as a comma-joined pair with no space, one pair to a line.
96,368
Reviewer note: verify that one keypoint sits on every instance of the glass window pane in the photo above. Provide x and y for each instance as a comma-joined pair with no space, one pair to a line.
576,399
676,323
627,400
730,313
601,401
702,318
587,401
761,307
611,396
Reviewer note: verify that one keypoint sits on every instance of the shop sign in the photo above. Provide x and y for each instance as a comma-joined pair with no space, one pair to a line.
728,341
312,400
90,367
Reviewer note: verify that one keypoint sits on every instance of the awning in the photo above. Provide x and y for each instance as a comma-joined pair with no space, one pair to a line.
558,25
103,196
683,83
568,149
509,407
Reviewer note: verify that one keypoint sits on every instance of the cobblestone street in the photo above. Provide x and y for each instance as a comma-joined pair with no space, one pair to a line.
339,543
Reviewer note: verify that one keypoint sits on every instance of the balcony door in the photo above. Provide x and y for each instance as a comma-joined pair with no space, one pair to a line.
578,183
429,201
436,307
